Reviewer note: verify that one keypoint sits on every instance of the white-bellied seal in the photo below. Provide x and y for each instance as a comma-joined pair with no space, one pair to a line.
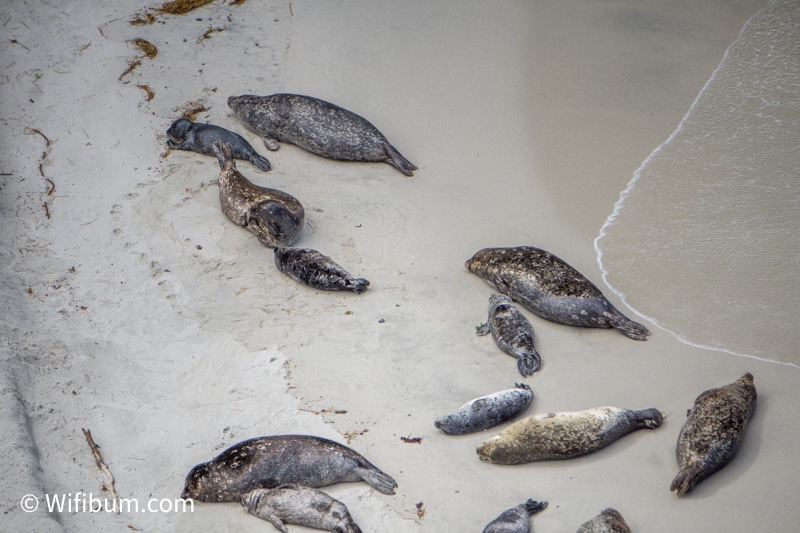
608,521
512,332
196,137
564,435
486,412
318,126
713,431
274,216
515,520
317,270
301,506
270,462
550,288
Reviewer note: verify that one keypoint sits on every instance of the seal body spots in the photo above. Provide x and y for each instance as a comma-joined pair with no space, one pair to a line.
487,411
274,216
320,127
316,270
713,432
608,521
550,288
512,332
564,435
269,462
301,506
187,135
516,519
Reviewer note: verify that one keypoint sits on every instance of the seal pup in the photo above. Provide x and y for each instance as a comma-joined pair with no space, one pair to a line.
516,519
608,521
713,431
564,435
318,126
196,137
512,332
317,270
301,506
486,412
550,288
274,216
269,462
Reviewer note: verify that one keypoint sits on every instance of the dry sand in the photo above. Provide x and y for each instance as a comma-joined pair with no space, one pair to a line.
132,307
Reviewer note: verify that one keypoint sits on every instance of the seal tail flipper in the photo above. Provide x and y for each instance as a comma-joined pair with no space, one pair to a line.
224,155
626,326
378,480
394,158
260,162
649,418
357,285
528,363
533,507
686,479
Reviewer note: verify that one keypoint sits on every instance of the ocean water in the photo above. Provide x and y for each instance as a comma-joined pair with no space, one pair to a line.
705,240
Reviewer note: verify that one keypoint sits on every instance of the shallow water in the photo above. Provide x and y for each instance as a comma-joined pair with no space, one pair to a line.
704,241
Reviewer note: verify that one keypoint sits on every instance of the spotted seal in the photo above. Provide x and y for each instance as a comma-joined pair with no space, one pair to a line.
486,412
517,519
713,431
564,435
512,332
317,270
550,288
608,521
318,126
196,137
274,216
269,462
301,506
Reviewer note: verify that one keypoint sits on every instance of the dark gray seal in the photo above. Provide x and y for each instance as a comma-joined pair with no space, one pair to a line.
301,506
318,126
486,412
713,432
317,270
550,288
512,332
515,520
270,462
274,216
564,435
608,521
196,137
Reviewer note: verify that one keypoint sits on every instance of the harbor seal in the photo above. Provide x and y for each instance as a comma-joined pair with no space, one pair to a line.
317,270
550,288
486,412
713,432
274,216
512,332
196,137
318,126
301,506
564,435
608,521
515,520
269,462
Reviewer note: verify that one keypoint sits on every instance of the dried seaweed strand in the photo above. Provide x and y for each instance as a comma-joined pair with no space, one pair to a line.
109,479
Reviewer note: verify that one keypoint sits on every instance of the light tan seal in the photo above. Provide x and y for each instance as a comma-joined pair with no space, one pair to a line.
713,432
565,435
608,521
300,506
550,288
274,216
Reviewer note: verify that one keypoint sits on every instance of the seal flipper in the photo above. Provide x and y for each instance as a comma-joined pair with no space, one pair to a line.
357,285
483,329
686,479
271,143
279,524
625,325
377,480
533,506
224,155
528,363
260,162
395,158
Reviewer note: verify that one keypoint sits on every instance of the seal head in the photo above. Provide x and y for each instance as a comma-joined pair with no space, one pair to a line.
713,432
550,288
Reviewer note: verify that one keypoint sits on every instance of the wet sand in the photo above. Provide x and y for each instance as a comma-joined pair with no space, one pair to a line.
135,309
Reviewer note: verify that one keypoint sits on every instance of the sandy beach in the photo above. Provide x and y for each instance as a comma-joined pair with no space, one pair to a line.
133,308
